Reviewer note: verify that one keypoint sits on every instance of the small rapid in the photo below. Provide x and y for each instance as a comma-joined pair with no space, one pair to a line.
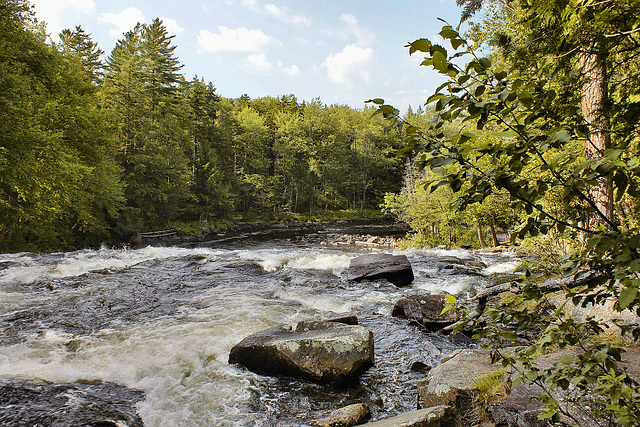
162,320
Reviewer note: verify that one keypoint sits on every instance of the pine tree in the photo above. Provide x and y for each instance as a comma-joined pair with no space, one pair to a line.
79,43
145,91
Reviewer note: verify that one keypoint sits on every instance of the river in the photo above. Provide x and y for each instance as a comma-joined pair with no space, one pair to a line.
163,319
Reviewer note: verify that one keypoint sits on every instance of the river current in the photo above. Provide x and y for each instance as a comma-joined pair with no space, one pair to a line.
162,320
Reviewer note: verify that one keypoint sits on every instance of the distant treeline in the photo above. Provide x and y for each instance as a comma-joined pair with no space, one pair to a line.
93,150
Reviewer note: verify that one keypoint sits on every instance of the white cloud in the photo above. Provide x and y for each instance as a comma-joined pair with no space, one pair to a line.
286,15
363,36
52,11
250,4
172,26
291,71
351,63
279,12
259,62
238,40
124,21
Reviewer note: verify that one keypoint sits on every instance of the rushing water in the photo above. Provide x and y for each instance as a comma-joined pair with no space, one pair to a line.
163,319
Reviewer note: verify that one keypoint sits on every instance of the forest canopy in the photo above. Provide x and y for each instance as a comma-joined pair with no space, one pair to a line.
95,148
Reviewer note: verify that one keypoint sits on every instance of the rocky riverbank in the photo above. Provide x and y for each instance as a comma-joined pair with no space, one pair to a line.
205,234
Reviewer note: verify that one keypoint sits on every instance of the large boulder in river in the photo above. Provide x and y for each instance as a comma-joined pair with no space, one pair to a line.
425,310
324,352
395,268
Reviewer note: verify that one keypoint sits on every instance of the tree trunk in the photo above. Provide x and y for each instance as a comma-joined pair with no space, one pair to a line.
594,98
494,236
483,243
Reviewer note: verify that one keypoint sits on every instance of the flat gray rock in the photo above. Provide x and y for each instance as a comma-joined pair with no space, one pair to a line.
437,416
348,416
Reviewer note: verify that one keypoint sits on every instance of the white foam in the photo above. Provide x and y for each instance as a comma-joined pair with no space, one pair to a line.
273,260
503,267
433,252
331,262
321,303
452,285
28,269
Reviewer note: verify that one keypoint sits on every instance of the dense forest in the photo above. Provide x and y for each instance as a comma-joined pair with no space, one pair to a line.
96,149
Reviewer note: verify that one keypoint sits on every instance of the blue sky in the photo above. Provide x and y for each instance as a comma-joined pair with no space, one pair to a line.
344,52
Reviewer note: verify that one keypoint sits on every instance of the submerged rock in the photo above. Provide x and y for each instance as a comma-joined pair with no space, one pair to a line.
324,352
395,268
426,310
41,403
348,416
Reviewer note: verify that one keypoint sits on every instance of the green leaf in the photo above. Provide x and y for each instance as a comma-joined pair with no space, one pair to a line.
526,98
509,335
561,135
377,101
546,414
450,299
485,63
433,98
421,45
566,361
612,154
627,297
507,133
440,62
500,75
456,43
441,161
463,79
448,32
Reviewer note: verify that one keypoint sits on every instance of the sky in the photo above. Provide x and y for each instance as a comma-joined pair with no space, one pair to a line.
341,51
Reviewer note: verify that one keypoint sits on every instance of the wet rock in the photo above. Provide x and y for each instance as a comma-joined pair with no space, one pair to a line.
324,352
425,310
347,320
348,416
437,416
454,269
395,268
41,403
420,367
